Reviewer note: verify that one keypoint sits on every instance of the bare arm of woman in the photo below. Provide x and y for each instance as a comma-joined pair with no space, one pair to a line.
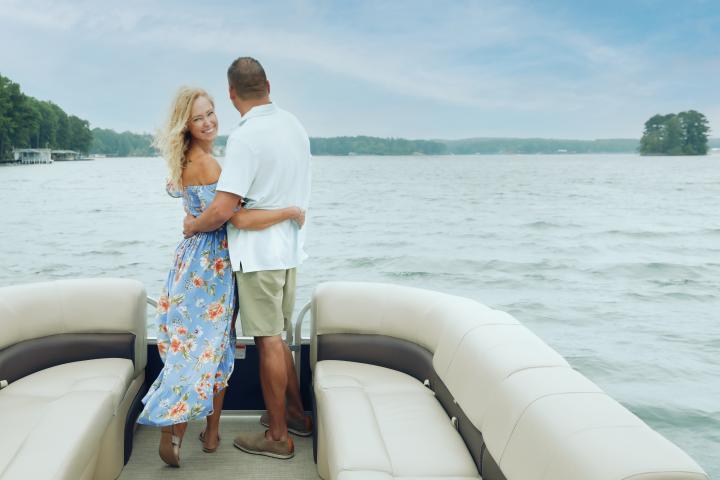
253,219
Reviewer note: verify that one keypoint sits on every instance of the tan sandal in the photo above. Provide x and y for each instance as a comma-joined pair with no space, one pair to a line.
170,446
206,449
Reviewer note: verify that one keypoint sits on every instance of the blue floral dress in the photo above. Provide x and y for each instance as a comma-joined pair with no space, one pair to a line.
194,317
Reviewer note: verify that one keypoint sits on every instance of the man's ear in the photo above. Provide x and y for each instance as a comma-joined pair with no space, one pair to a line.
268,86
233,95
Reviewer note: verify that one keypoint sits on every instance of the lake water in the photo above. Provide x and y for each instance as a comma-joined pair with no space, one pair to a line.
613,260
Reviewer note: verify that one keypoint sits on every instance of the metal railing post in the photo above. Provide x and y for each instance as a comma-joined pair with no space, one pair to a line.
298,338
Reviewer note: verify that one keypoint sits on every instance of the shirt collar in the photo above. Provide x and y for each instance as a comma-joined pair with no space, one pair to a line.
258,111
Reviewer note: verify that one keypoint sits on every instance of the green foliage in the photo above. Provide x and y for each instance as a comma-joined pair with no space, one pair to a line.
685,133
696,130
512,146
375,146
483,146
26,122
125,144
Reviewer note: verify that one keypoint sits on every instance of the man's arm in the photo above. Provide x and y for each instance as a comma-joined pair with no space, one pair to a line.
214,216
252,219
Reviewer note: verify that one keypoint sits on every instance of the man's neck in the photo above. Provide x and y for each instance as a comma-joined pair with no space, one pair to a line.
245,106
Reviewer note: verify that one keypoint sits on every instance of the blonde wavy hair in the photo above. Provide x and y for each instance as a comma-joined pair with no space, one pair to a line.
174,139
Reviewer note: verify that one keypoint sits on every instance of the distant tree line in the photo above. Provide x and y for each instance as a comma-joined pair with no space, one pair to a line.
470,146
26,122
125,144
684,133
129,144
374,146
527,146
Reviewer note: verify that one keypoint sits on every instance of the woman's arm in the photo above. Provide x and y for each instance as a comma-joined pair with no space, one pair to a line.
253,219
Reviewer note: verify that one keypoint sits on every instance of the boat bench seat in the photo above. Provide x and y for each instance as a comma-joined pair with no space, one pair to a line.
412,384
72,361
386,421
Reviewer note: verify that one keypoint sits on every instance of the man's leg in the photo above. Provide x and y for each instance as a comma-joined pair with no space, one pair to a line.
295,408
261,315
274,381
295,413
294,401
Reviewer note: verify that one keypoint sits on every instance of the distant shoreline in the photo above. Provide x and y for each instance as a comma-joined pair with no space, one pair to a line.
128,144
107,142
449,155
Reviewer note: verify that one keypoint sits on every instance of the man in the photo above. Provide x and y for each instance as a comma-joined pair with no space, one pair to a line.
267,166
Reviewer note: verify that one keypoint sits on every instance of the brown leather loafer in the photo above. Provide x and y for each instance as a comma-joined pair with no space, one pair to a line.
257,444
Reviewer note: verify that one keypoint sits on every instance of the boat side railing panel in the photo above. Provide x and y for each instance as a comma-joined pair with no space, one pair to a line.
244,393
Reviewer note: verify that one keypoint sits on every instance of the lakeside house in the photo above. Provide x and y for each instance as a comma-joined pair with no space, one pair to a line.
29,156
65,155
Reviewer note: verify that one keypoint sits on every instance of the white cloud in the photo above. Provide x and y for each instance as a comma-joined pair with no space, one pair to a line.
409,60
487,55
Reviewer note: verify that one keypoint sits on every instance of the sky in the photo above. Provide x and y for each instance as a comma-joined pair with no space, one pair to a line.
415,69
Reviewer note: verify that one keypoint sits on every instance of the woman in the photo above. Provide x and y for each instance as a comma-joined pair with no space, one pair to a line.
195,315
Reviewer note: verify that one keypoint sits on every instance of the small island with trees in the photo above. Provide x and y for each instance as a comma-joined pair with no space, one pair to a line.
684,133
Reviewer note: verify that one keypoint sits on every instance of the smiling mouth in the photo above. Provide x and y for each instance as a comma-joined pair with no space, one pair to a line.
209,130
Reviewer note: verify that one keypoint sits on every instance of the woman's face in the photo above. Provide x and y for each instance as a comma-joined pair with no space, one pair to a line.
203,122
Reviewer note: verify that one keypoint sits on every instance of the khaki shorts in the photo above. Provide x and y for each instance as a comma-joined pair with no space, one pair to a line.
266,301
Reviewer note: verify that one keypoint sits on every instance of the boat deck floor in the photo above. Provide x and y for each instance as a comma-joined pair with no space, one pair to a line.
226,462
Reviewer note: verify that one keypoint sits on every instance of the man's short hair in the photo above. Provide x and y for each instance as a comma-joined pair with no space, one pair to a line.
247,77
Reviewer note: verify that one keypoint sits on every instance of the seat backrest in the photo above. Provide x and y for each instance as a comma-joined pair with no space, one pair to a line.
531,415
398,312
49,323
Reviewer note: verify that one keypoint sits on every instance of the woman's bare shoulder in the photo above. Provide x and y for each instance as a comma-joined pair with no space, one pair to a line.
201,169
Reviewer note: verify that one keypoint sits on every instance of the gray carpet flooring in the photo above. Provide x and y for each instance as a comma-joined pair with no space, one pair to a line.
226,462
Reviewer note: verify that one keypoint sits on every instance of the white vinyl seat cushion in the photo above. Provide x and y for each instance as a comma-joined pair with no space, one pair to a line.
52,421
52,437
364,475
515,394
571,435
486,356
385,422
369,475
110,375
337,373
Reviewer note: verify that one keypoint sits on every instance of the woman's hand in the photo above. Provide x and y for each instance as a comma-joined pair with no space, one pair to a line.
297,215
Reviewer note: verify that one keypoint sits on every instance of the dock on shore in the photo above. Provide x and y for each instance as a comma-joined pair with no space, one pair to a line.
29,156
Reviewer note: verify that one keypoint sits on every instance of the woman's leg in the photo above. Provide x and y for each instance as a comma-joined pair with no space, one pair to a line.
211,435
170,442
179,429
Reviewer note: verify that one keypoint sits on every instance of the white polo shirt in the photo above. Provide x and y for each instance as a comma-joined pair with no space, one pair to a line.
267,162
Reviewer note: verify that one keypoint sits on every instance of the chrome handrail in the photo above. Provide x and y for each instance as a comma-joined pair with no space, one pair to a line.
297,347
151,301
